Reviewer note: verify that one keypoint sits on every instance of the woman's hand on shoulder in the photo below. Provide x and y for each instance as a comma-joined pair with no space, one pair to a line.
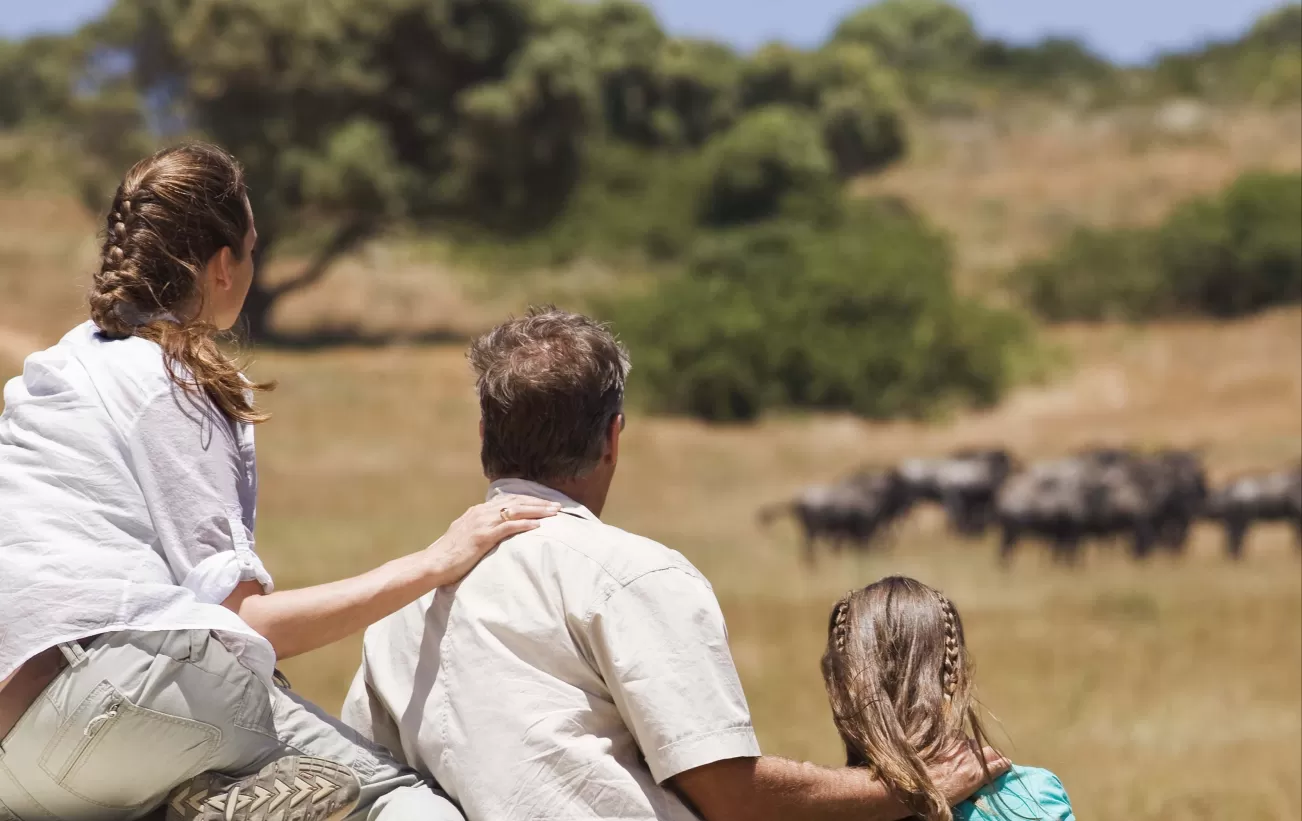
480,529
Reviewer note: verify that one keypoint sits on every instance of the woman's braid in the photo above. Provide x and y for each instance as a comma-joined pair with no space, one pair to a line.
950,665
117,278
171,216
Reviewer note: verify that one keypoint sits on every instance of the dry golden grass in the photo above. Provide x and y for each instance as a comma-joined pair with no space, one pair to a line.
1171,690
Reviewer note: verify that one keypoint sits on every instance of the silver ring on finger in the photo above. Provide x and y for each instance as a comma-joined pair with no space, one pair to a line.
505,514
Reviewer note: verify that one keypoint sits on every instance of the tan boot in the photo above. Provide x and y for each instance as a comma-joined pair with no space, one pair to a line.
294,788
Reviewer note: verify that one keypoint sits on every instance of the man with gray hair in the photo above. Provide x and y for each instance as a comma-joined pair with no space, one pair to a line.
582,672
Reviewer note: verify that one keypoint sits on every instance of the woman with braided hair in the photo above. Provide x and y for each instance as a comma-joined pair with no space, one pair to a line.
139,631
899,681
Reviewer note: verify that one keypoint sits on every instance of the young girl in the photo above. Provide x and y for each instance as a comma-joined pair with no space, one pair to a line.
899,680
139,630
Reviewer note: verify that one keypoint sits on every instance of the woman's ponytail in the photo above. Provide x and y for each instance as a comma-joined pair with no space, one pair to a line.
172,213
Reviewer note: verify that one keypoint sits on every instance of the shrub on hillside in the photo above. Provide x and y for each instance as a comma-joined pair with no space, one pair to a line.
861,318
860,107
1096,274
633,204
772,161
1220,256
1264,66
1237,253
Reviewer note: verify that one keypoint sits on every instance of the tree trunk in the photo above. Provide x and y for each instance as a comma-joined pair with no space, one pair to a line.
263,297
256,318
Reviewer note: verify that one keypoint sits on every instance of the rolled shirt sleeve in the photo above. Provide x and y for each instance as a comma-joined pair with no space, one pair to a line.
197,484
662,647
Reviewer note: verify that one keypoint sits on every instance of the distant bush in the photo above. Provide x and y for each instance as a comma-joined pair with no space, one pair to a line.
861,318
1238,253
913,35
771,161
1096,274
860,107
633,205
1263,67
1221,256
1054,65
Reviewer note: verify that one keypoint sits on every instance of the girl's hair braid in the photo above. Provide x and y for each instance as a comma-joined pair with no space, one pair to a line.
950,666
899,684
839,628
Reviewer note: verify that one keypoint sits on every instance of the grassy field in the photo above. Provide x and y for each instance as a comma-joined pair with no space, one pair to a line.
1170,690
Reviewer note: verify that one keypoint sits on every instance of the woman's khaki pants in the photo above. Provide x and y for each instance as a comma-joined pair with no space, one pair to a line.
137,714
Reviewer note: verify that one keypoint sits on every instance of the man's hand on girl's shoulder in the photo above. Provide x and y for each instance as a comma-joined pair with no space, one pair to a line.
959,772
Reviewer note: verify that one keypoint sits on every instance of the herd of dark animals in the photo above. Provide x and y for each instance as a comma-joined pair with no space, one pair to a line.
1152,499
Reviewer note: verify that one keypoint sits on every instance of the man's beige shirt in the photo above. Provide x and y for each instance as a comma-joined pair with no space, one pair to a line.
572,673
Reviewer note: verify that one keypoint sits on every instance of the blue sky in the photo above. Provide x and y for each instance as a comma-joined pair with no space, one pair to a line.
1128,30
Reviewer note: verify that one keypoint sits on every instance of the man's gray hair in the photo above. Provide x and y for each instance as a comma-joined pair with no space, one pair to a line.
550,383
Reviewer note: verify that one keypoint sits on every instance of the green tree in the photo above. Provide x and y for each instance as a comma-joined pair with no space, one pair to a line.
1263,66
913,35
37,79
778,74
1054,64
656,91
860,107
625,42
351,113
1281,28
861,317
773,162
698,88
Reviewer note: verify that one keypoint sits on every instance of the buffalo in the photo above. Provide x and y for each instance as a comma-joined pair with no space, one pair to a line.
1096,493
1263,497
856,510
965,483
1178,488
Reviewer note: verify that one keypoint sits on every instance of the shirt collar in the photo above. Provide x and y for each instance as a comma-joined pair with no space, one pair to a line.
524,487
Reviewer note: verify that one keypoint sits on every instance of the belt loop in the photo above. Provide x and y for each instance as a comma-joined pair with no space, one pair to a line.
73,652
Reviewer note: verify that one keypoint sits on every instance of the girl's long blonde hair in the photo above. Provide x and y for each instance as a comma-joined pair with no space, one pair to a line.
899,681
172,213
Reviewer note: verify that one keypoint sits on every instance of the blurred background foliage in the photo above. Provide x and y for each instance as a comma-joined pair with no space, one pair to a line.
546,133
1221,256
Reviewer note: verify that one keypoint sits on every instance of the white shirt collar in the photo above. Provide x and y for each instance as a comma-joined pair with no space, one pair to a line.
524,487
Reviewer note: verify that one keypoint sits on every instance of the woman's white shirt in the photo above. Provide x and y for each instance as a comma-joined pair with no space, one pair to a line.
125,503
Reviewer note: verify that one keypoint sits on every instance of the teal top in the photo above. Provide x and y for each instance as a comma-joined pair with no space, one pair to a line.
1021,794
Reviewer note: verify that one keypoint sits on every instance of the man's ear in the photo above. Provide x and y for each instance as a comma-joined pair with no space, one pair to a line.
612,438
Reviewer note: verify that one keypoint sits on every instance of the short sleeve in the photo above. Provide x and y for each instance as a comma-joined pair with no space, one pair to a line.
1023,792
1053,800
662,648
193,476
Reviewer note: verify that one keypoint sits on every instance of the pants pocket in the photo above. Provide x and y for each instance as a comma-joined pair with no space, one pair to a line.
115,754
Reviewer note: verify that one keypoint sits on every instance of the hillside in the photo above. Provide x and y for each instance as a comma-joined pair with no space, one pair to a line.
1010,186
